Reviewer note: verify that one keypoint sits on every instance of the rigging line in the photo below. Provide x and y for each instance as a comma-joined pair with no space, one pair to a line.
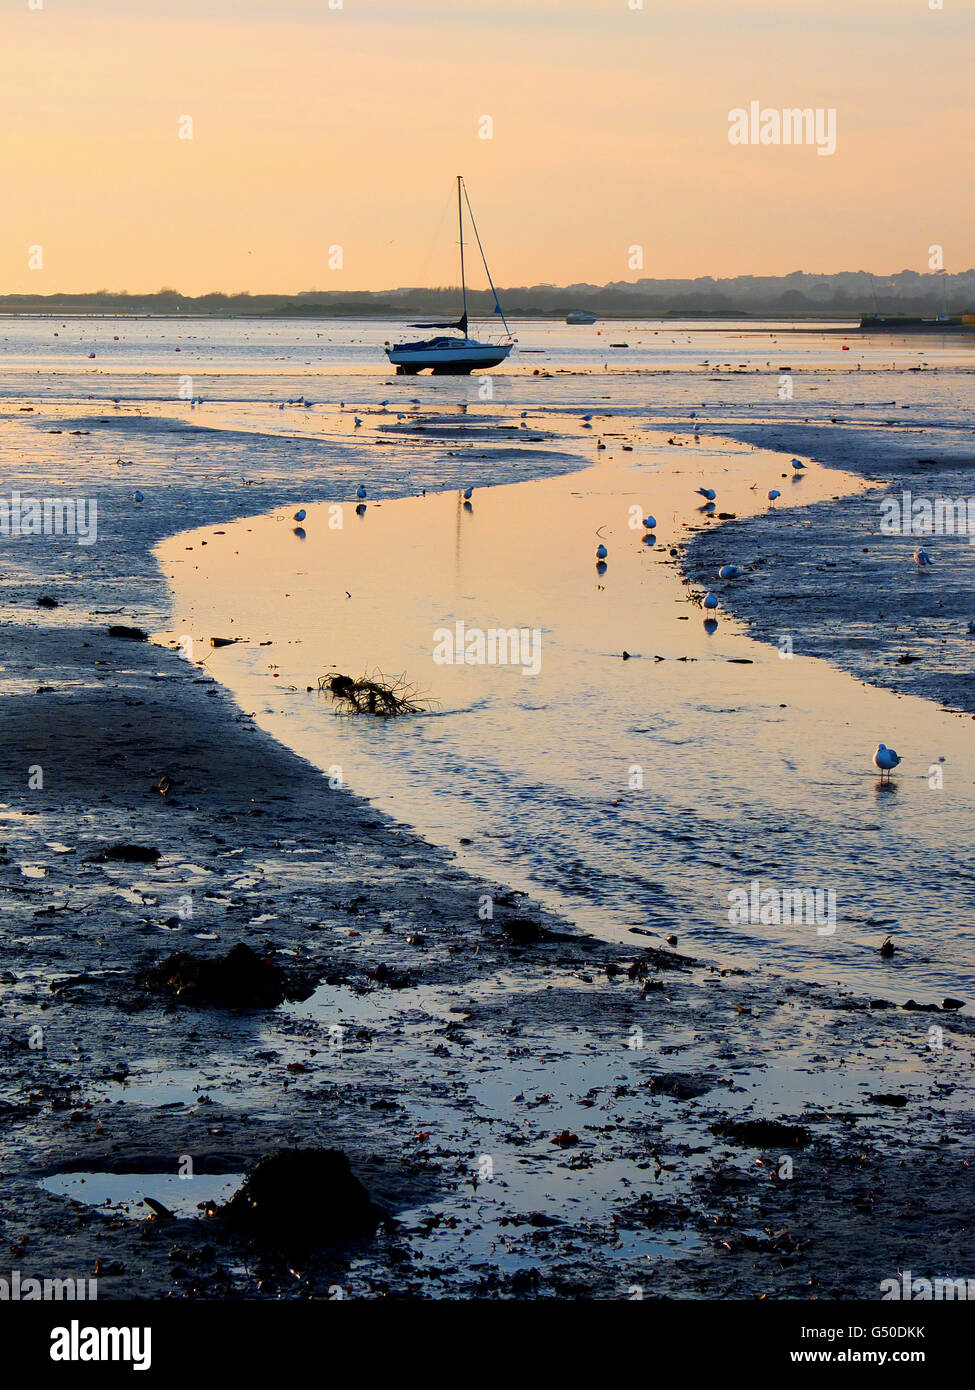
487,272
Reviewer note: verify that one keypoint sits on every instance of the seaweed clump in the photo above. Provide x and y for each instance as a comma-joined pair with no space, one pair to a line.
377,695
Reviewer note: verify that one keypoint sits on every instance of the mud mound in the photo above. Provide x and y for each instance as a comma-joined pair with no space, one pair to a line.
300,1199
240,979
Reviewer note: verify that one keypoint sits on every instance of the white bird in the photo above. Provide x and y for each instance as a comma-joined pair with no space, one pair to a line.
921,558
710,600
797,464
360,491
468,493
707,492
650,522
139,497
299,515
601,552
587,417
773,493
886,760
729,572
357,421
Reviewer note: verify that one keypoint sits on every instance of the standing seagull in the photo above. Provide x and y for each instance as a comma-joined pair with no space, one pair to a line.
360,491
886,760
797,464
707,492
921,558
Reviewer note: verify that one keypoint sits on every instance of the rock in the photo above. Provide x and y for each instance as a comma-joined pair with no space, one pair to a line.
889,1100
523,930
238,980
298,1199
134,634
949,1004
125,854
47,602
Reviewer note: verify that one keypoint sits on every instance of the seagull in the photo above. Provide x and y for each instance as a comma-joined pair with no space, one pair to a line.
357,421
468,493
797,464
139,498
886,760
710,601
729,572
601,552
773,493
921,558
299,515
360,491
708,493
650,522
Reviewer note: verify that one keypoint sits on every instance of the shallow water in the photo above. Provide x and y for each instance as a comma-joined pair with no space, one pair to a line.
636,793
125,1193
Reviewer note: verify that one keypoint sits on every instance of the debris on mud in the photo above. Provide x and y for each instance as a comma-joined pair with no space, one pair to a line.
300,1199
238,980
763,1134
134,634
683,1086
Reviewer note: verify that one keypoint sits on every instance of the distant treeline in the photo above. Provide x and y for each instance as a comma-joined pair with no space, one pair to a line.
844,295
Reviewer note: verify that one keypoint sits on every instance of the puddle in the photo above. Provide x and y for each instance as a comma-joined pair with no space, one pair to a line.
125,1193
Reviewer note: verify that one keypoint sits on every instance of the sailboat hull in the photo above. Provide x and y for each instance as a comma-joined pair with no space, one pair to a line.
451,358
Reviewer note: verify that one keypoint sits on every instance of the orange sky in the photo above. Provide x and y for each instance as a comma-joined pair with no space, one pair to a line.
316,126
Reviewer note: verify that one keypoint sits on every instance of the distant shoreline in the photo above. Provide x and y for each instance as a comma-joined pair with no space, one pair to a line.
756,322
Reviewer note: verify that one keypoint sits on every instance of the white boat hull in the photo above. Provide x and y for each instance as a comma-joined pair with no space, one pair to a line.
456,357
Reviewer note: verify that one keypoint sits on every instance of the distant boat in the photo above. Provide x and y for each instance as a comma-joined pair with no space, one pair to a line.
447,356
580,316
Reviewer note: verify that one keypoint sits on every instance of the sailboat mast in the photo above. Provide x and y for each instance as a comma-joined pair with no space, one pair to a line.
460,223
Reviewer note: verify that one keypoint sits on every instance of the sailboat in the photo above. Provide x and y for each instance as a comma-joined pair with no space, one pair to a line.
449,356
